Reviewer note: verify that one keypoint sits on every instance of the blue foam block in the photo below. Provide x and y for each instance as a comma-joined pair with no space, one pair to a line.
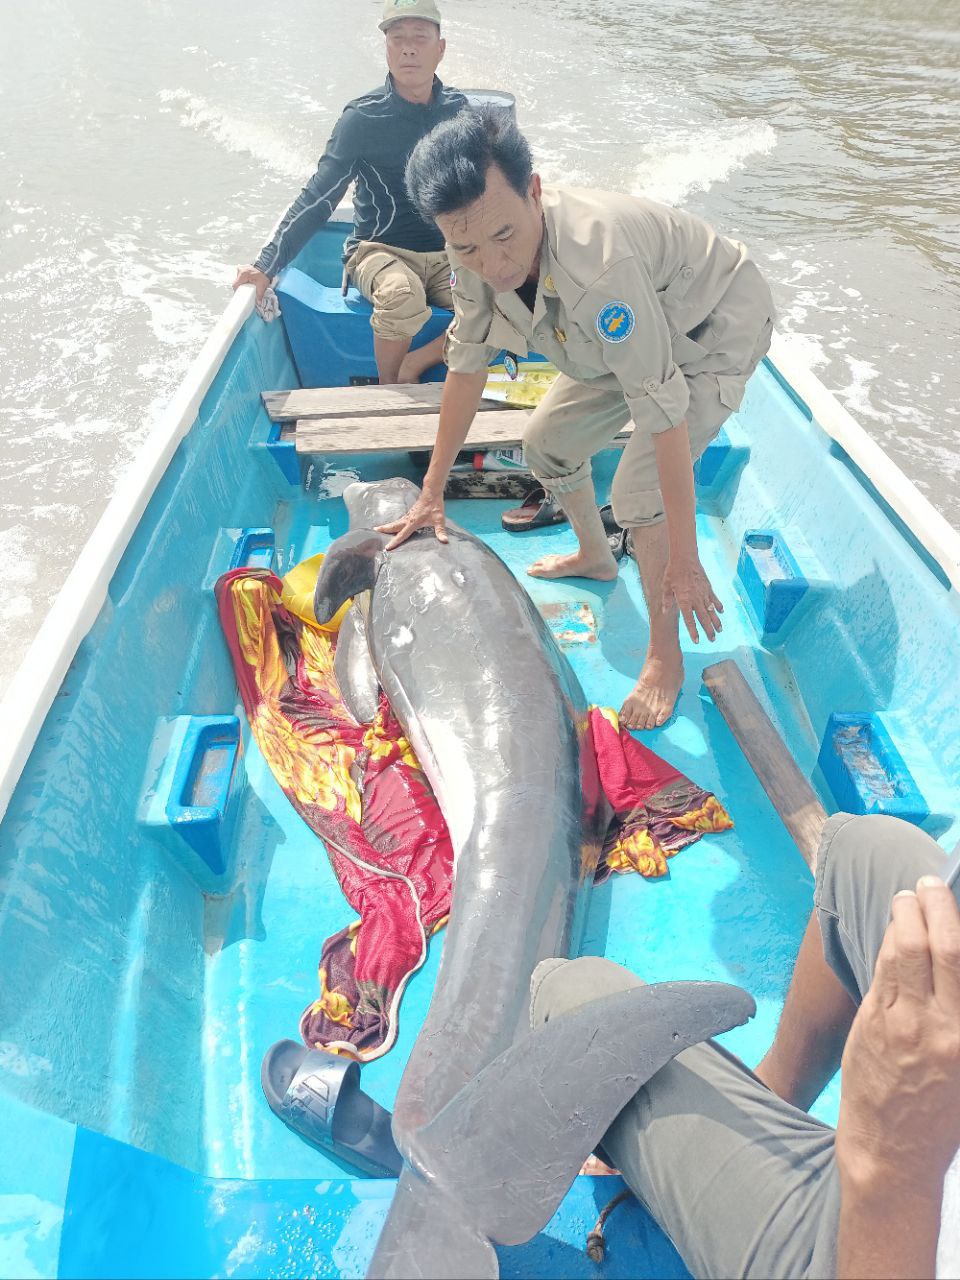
718,467
770,581
195,777
254,549
284,454
866,772
330,334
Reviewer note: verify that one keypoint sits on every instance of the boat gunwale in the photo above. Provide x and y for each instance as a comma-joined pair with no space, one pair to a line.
931,530
35,684
76,607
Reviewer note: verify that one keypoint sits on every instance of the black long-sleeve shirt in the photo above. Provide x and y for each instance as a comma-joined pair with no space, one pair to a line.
370,145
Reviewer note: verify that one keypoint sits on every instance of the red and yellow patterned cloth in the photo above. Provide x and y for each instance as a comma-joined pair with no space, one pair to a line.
361,789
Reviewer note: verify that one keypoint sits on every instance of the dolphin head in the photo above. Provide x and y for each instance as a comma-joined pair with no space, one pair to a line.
349,568
379,502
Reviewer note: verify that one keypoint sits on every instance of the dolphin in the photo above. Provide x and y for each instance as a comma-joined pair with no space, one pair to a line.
499,722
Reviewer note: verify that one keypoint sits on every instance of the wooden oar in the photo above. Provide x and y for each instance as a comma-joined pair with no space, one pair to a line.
790,793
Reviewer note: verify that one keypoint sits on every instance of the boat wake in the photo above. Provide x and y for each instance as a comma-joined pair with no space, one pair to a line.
244,137
688,160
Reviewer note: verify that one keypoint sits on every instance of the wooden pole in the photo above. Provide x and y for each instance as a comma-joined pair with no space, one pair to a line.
789,791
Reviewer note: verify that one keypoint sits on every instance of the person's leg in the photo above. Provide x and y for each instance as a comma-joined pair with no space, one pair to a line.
416,363
742,1183
389,354
593,557
571,423
651,701
434,271
813,1027
396,293
638,506
861,864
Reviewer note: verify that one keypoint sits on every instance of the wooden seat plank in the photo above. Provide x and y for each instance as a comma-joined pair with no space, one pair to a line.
498,429
777,772
358,402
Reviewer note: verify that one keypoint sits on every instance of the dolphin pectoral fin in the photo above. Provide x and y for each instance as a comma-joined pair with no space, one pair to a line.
427,1234
353,667
349,567
506,1149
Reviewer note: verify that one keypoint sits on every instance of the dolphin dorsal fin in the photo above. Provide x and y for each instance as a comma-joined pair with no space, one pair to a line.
349,568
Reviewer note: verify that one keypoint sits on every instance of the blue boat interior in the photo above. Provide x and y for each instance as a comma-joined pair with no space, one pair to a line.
162,906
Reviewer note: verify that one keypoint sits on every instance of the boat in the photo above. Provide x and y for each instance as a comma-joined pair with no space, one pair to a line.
145,973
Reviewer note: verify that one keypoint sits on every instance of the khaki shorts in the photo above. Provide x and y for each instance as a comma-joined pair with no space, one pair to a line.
575,420
401,285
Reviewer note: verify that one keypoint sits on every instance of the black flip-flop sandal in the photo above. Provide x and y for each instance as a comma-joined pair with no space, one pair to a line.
318,1096
538,510
616,535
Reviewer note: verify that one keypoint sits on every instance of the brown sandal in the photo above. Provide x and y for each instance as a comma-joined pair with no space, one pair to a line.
539,509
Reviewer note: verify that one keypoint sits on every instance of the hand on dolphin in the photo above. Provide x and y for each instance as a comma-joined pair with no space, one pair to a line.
427,510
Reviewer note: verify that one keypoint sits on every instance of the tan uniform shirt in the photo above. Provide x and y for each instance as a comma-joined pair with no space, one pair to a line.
630,291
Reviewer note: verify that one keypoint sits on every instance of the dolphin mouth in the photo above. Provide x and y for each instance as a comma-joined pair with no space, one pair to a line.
324,609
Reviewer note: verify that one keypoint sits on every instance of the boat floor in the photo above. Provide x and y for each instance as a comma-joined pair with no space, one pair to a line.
139,1142
260,1201
732,907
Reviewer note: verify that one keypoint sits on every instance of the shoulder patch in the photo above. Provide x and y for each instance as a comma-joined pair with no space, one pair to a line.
453,279
615,322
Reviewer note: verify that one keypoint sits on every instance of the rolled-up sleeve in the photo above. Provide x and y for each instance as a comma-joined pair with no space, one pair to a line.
653,385
466,349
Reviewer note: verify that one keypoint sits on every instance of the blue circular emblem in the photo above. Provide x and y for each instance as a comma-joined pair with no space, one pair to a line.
510,365
615,322
453,279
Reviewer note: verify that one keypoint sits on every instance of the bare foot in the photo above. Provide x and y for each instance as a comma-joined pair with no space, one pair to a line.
593,1167
574,566
652,699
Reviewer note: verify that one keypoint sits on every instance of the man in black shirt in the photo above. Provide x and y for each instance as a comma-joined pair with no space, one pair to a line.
396,260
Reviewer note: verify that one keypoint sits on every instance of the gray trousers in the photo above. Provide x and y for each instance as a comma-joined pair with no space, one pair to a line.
743,1183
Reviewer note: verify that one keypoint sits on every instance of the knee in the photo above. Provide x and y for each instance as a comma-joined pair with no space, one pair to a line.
633,508
535,450
560,986
558,468
884,853
399,307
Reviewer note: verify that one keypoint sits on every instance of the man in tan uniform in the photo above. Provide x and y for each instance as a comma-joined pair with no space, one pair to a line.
648,313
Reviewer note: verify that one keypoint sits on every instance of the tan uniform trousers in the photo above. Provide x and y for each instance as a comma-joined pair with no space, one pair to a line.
575,420
401,285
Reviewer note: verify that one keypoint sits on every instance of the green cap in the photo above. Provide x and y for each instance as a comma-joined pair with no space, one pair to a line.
394,10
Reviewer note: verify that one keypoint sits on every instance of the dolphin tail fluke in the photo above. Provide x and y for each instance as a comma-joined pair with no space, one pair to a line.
430,1234
495,1163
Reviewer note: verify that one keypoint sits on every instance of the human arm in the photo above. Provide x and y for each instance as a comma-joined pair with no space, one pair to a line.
899,1124
458,407
312,208
684,580
467,355
637,345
